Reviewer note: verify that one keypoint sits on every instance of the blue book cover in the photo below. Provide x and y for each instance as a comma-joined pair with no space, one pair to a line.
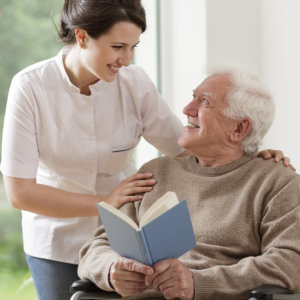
169,235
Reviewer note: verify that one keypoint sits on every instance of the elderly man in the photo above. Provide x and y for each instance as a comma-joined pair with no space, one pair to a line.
245,210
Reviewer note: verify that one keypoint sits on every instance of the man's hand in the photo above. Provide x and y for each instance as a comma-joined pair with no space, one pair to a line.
278,156
128,276
172,279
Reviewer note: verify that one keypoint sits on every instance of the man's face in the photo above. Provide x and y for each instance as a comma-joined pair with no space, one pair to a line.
208,130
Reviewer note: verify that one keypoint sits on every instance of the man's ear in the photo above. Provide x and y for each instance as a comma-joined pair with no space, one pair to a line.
243,128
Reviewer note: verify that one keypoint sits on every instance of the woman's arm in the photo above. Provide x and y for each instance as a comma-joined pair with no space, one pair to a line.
28,195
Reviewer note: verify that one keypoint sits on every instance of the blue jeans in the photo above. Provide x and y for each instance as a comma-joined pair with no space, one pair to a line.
52,279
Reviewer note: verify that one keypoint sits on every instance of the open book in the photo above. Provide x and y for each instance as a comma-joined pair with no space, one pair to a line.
165,230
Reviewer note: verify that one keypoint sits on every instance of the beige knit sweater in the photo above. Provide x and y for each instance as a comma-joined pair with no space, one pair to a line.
246,219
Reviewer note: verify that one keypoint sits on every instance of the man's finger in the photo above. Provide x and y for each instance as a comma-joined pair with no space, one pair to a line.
163,280
123,275
163,265
159,268
135,266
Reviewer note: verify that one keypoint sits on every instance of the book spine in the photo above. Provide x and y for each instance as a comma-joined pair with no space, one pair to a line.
144,247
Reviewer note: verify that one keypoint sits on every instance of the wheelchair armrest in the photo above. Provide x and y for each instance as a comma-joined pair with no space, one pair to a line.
89,287
272,292
84,286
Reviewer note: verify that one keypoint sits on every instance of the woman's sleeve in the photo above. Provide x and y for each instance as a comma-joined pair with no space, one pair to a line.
19,143
161,127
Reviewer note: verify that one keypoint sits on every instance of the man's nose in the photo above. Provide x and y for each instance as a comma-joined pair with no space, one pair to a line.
191,109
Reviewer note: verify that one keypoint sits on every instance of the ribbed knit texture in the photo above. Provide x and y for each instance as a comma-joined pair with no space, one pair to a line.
246,219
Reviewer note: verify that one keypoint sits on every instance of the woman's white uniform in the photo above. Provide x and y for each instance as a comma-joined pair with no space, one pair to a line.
77,143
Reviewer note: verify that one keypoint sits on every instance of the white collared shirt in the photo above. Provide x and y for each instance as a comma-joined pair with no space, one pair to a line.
77,143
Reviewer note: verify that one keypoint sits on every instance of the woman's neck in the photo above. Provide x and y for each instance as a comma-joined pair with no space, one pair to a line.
77,74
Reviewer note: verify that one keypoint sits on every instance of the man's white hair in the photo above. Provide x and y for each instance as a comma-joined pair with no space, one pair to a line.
249,98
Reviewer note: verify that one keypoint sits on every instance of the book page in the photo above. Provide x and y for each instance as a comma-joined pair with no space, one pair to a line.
119,214
164,203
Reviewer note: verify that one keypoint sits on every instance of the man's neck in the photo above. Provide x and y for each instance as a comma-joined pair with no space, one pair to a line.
218,159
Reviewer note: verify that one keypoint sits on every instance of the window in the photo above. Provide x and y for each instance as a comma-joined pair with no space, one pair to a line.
173,52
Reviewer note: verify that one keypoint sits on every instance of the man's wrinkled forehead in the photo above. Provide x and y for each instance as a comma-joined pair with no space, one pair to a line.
217,84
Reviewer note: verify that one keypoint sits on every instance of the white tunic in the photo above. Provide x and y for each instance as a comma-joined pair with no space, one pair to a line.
77,143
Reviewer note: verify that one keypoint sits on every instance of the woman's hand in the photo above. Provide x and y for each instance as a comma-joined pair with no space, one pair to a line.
277,155
130,189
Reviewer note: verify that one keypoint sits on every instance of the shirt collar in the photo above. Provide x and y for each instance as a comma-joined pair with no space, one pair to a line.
59,59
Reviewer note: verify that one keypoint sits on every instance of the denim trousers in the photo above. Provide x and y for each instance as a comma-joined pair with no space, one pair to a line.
52,279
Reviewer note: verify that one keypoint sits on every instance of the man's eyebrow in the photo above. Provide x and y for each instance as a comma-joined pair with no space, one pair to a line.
204,94
208,94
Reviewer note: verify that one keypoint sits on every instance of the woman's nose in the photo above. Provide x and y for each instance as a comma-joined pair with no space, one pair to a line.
126,58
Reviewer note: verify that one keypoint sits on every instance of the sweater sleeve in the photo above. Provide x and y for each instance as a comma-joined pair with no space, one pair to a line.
279,262
96,256
95,260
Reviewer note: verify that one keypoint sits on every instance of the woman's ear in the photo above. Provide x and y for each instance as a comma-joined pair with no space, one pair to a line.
81,37
243,128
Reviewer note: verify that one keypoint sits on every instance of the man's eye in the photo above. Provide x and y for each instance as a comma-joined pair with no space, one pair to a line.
117,47
204,101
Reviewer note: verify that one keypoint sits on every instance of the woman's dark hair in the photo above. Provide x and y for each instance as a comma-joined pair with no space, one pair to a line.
97,17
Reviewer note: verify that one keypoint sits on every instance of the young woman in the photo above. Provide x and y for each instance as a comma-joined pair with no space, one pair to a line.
71,125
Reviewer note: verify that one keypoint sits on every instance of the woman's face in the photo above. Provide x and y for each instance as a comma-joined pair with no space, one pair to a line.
103,57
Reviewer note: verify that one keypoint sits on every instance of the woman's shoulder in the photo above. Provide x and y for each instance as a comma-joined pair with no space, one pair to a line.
38,70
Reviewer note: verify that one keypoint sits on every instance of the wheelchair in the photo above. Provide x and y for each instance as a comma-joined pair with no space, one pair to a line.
85,289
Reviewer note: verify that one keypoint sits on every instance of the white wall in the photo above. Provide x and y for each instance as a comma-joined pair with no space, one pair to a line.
233,32
146,57
183,50
263,35
182,47
280,57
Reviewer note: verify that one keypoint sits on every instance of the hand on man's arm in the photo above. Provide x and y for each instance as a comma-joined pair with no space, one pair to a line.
127,276
172,279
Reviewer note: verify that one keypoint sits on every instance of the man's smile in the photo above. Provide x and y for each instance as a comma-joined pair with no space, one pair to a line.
192,125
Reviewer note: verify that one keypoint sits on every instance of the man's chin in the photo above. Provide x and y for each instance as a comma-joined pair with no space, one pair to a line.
182,142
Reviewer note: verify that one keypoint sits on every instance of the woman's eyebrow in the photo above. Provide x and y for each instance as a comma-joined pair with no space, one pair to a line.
123,43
